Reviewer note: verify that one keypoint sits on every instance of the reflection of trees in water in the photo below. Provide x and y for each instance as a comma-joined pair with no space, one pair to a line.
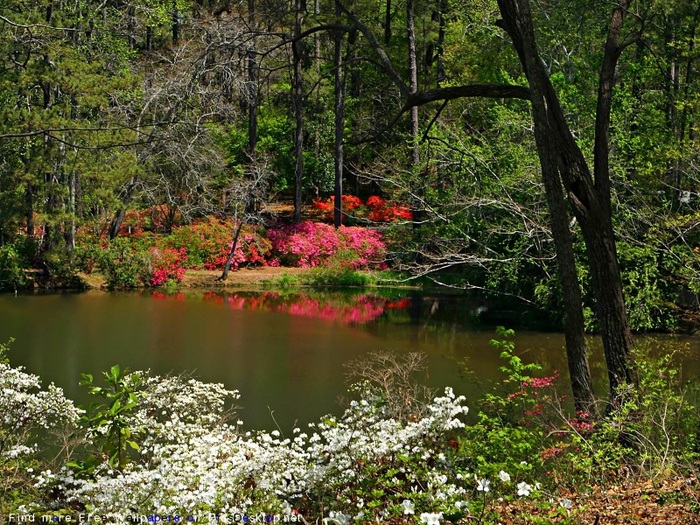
344,309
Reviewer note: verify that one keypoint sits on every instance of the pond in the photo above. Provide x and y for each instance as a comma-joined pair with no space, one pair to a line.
285,352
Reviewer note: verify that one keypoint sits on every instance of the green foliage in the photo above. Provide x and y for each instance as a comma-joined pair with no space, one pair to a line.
524,427
654,433
61,269
108,422
284,281
12,268
4,352
125,263
646,284
505,437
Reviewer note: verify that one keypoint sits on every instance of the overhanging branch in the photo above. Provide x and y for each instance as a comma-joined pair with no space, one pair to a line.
446,94
476,90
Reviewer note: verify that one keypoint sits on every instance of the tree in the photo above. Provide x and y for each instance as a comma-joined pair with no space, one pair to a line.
240,195
339,90
297,103
563,164
564,169
194,84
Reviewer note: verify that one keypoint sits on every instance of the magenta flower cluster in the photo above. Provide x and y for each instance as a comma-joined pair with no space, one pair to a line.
309,244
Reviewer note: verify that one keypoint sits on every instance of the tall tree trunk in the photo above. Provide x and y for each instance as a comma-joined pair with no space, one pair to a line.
72,190
413,79
131,26
339,89
574,326
387,23
252,100
563,163
681,123
175,23
413,89
441,42
612,314
297,99
29,209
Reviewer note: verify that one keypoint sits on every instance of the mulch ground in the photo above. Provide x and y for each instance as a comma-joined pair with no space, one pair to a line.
674,501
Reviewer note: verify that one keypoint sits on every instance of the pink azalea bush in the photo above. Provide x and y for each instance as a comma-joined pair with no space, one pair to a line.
310,244
155,260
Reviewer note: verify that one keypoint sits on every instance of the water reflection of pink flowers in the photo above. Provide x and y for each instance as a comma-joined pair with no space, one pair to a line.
363,309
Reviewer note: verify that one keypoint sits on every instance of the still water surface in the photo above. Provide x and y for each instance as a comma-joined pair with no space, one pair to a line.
285,353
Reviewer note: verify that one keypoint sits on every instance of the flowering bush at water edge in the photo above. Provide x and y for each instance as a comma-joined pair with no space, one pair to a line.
192,459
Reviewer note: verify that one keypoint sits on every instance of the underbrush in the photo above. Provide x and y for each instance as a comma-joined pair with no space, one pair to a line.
527,421
146,259
173,446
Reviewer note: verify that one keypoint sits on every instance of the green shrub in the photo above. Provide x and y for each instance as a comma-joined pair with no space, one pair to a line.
654,433
61,268
108,422
125,263
12,268
507,436
526,427
284,281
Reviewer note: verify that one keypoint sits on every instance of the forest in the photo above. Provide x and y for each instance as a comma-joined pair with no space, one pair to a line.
540,151
129,116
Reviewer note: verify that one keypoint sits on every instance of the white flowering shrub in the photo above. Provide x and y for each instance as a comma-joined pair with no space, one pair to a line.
192,459
29,416
373,466
172,447
28,412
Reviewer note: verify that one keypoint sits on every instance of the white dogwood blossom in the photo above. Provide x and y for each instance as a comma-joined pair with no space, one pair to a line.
191,461
26,409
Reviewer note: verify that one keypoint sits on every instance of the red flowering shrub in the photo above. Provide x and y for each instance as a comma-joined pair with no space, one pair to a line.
324,205
376,209
375,202
134,223
382,210
168,265
208,242
310,244
350,202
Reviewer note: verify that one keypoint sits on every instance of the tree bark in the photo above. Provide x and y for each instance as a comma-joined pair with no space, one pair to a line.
297,99
232,252
387,23
338,156
413,79
563,163
414,131
175,24
29,209
252,99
